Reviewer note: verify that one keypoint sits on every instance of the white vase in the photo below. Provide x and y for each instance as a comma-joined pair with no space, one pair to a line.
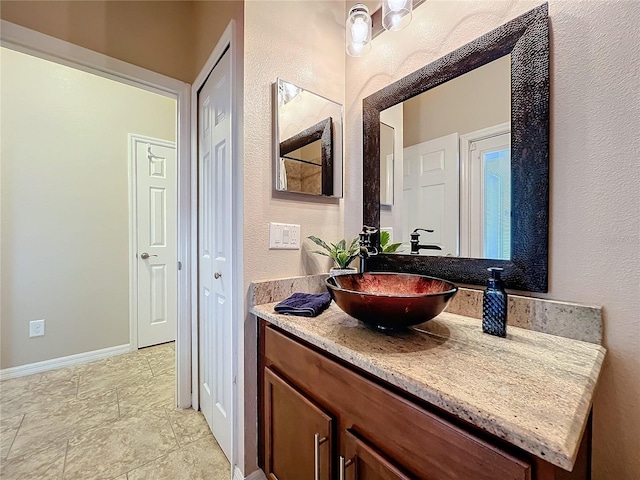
342,271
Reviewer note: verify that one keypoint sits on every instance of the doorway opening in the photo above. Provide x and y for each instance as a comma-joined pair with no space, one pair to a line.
21,41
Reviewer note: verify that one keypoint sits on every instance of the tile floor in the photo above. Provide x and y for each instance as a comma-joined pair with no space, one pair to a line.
110,419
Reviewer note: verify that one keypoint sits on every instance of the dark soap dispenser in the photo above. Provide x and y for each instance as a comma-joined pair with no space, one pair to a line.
494,306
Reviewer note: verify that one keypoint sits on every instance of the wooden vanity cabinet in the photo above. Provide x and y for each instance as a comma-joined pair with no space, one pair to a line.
368,430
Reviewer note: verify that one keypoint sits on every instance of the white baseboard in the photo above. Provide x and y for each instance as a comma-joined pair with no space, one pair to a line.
257,475
61,362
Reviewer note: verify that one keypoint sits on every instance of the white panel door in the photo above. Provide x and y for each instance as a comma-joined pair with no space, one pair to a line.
430,193
214,250
156,232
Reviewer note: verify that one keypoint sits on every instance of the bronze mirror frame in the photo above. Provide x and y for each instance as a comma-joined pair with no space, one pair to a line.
526,38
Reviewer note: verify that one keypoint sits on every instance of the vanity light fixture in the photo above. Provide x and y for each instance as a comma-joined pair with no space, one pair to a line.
396,14
358,37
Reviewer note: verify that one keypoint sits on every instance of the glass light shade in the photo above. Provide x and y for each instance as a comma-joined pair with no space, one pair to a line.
396,14
358,36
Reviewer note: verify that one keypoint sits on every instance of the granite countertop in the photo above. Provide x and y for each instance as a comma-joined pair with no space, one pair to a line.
532,389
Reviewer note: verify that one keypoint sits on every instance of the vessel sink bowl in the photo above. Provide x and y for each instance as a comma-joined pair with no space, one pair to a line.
390,301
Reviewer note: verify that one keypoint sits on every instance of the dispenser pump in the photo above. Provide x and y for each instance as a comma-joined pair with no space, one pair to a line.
495,280
494,305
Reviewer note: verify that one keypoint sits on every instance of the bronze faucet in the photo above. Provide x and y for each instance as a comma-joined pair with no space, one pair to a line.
367,249
415,242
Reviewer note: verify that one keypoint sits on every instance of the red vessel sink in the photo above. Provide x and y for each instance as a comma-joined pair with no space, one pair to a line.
391,301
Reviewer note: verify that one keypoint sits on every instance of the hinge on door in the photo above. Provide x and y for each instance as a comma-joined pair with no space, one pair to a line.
235,379
179,265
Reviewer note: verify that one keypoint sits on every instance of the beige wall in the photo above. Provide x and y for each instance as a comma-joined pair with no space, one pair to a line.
210,18
155,35
302,42
595,174
174,38
475,100
65,227
312,58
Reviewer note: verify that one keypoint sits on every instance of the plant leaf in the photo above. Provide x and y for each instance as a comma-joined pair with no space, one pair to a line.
319,242
384,238
342,259
320,253
354,248
391,248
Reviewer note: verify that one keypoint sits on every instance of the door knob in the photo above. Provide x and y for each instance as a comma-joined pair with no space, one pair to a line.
145,255
217,275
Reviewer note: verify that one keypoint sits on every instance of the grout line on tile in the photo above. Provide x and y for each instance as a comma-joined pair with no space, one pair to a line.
118,401
175,437
146,357
15,436
149,462
197,439
66,452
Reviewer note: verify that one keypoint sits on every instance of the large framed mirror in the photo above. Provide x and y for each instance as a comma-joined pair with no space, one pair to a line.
475,160
307,142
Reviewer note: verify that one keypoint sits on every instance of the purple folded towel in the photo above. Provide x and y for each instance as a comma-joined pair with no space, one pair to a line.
304,304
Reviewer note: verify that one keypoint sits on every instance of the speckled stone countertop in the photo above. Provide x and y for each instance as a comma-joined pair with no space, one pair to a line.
532,389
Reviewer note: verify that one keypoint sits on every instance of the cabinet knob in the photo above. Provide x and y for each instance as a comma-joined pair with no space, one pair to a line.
317,441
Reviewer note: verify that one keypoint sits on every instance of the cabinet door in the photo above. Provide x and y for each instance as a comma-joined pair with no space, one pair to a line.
364,462
298,433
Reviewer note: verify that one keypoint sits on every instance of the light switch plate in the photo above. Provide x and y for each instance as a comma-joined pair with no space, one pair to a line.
284,236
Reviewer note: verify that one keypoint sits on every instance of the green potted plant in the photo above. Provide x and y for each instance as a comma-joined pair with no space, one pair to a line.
387,247
340,253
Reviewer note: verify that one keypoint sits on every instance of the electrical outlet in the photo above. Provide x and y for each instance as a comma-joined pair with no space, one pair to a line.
36,328
295,236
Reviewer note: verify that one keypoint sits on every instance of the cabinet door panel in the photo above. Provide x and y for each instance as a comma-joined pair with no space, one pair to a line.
369,464
291,424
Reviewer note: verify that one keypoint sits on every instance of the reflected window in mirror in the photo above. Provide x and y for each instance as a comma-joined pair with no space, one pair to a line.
307,142
455,166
